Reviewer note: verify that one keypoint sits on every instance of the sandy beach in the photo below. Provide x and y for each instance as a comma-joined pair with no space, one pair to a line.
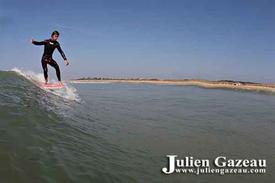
225,84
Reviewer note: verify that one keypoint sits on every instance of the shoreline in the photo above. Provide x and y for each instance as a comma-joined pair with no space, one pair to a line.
222,84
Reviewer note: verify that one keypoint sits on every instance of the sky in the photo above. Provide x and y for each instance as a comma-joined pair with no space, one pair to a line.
174,39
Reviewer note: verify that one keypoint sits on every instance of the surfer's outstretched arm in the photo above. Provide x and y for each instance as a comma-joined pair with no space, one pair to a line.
38,42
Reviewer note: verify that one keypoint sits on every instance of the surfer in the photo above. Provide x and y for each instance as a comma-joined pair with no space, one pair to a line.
49,47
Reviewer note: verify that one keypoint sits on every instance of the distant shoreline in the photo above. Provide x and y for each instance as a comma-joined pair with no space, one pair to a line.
226,84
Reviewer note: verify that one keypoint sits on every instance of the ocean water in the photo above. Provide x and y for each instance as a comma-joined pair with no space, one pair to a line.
123,132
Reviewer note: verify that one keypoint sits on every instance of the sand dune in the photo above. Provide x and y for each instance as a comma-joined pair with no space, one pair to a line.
226,84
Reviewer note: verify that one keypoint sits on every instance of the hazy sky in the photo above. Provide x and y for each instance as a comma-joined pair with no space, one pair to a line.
210,39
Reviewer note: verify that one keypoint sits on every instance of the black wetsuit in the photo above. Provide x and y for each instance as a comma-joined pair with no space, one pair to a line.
49,47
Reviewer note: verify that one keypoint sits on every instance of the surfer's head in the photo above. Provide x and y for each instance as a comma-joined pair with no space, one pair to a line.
55,35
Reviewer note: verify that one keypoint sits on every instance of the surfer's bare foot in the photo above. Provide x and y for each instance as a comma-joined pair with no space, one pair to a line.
60,83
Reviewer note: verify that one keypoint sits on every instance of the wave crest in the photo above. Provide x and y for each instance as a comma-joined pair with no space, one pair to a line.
68,92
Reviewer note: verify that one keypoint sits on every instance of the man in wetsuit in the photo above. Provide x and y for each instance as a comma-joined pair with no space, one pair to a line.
49,47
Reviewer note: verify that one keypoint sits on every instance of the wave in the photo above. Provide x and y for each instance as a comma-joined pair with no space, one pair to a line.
68,92
35,126
20,96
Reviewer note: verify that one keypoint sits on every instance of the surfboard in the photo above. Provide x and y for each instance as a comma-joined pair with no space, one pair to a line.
51,86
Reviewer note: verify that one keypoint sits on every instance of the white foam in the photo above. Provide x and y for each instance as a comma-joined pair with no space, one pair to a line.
68,92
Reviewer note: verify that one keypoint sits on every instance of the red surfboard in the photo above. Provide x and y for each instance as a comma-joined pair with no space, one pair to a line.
51,86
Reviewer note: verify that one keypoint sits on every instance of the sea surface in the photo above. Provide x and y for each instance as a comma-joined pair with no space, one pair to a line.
123,132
